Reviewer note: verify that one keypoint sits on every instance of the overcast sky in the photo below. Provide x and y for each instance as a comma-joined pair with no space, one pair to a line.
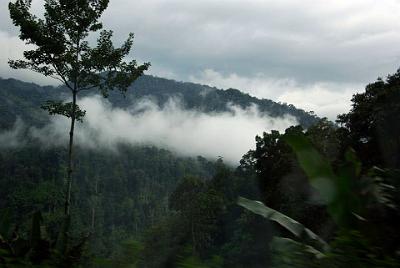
312,53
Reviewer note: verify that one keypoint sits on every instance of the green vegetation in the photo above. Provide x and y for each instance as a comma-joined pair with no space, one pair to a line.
118,195
324,207
318,195
324,203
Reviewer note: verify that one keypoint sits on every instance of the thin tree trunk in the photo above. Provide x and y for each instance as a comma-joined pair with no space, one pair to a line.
71,132
70,155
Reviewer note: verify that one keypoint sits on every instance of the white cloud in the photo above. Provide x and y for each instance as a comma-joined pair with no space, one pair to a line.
13,138
321,98
259,85
326,99
186,132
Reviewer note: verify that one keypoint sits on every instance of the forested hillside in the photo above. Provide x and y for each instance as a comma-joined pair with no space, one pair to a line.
329,193
20,99
117,194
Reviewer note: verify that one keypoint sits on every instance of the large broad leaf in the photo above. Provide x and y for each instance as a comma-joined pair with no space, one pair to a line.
317,168
335,190
296,228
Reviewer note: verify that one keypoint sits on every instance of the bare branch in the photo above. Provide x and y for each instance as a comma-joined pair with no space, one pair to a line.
57,78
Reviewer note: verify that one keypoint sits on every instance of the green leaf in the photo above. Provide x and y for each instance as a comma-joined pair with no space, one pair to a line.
336,190
316,167
65,109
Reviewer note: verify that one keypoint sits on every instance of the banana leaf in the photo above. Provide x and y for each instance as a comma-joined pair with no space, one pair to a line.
293,226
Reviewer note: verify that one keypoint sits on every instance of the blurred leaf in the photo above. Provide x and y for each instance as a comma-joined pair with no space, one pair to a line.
375,187
316,167
337,190
287,244
352,158
290,224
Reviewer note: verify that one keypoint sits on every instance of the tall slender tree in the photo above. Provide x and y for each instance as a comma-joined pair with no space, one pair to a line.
61,51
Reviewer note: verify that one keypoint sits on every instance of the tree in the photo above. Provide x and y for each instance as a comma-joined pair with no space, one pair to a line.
200,207
271,162
61,51
371,126
282,183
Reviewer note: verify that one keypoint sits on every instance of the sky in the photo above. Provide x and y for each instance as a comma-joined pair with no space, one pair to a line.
312,53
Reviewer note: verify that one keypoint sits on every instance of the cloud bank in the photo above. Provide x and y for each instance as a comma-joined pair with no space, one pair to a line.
186,132
325,99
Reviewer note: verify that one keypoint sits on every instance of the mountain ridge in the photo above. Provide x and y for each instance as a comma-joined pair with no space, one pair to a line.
23,99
